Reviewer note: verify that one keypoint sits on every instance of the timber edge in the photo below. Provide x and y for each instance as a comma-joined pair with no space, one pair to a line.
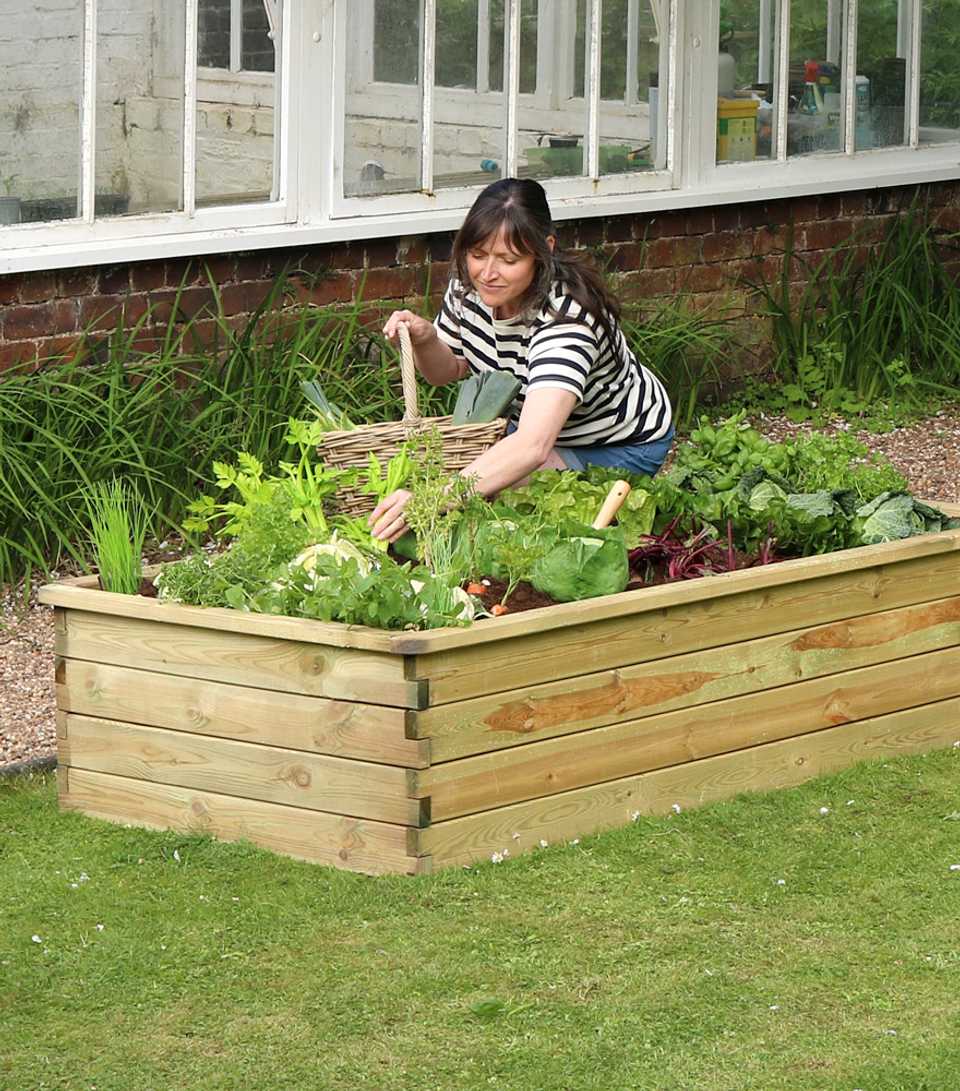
83,593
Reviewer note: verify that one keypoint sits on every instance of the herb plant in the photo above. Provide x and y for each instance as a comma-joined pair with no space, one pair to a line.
118,527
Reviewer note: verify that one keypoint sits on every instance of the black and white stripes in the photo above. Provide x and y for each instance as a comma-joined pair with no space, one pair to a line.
618,400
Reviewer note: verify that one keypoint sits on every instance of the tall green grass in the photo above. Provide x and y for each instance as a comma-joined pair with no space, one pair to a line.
160,418
870,321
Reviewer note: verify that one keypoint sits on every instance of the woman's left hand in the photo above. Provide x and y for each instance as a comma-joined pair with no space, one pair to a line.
387,520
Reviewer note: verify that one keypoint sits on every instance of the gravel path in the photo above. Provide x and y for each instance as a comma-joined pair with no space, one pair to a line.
927,453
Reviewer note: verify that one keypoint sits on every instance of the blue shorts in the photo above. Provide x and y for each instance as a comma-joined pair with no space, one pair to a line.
637,458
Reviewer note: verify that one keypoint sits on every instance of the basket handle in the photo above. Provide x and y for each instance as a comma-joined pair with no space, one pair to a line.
408,374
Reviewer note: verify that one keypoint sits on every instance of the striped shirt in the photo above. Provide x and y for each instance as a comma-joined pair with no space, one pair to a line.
563,347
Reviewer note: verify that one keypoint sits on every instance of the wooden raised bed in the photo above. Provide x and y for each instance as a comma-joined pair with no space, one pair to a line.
403,752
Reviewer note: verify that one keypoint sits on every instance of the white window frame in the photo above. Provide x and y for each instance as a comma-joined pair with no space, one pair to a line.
307,210
393,100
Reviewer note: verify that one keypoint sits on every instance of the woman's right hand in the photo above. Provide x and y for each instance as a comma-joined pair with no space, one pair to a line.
421,329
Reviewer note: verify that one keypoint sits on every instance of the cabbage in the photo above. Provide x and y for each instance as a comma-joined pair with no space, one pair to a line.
339,549
583,564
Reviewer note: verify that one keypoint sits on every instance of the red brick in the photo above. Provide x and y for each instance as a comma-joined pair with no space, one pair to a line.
380,254
823,236
703,278
619,228
38,287
764,213
440,246
326,290
104,312
412,250
624,259
262,265
699,221
387,284
9,289
687,250
727,246
947,219
667,225
17,353
726,218
148,276
244,298
347,255
67,346
769,240
72,283
39,320
438,275
853,204
647,283
114,279
589,233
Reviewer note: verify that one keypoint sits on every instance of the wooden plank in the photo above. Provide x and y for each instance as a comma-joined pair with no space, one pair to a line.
346,729
609,753
237,658
846,562
531,713
375,848
704,622
783,764
316,782
82,593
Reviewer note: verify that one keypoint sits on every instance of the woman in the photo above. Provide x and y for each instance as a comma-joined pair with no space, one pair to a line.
516,304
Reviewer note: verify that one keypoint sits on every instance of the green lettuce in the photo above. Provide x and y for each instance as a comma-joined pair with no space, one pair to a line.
582,564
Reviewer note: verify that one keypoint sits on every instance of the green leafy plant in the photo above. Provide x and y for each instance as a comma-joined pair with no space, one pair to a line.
118,527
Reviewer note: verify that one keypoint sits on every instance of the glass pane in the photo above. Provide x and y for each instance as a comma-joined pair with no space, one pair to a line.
940,72
456,43
814,122
468,134
553,124
381,147
41,62
528,45
257,53
882,74
746,91
237,127
214,39
139,106
396,40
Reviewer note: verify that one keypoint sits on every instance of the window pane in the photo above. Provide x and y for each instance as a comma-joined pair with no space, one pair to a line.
882,74
41,61
940,72
468,134
236,132
396,40
528,45
139,106
214,41
815,123
456,43
746,91
381,152
553,124
257,53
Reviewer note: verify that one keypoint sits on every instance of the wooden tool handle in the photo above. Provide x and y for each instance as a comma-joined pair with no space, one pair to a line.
615,497
408,374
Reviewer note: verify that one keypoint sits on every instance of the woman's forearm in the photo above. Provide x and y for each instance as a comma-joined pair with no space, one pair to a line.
505,463
436,362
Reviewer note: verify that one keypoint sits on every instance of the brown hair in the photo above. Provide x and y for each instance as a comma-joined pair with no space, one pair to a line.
520,207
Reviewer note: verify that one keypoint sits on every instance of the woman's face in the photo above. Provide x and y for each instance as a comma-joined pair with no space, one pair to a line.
500,275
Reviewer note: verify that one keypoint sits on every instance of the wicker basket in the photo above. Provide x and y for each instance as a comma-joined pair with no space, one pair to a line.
462,443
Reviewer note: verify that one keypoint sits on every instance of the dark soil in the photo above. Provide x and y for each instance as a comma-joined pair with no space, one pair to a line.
523,597
147,590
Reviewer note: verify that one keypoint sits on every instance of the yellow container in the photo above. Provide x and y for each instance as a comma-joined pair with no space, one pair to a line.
736,129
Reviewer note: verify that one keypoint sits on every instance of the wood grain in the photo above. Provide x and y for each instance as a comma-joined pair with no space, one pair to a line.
609,753
583,811
531,713
295,721
375,848
237,658
247,770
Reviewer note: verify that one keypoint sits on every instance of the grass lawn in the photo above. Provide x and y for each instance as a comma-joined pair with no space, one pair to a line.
764,943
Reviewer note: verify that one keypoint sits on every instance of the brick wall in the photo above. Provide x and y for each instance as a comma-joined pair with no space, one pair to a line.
704,254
